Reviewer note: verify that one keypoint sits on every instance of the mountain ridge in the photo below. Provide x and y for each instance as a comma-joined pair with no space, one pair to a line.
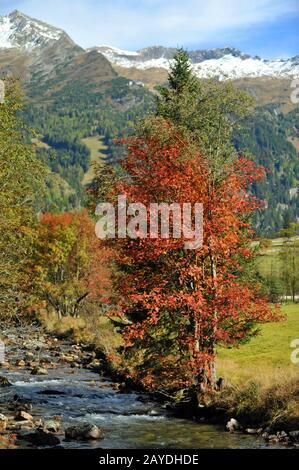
21,31
223,63
33,36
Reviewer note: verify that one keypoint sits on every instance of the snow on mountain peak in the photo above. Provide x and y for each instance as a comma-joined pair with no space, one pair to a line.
231,67
116,51
18,30
224,63
23,32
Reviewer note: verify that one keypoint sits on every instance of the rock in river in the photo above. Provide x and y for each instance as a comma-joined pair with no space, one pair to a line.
52,425
3,422
23,416
41,438
4,382
20,363
84,431
39,371
294,435
233,425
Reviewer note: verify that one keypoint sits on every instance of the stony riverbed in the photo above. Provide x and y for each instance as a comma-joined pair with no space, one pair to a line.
54,393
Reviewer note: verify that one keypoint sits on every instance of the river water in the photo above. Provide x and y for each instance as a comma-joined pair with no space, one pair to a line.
129,420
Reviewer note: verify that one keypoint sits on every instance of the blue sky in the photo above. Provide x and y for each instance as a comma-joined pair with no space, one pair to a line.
268,28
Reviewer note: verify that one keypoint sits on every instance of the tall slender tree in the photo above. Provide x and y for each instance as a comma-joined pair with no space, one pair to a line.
21,184
205,111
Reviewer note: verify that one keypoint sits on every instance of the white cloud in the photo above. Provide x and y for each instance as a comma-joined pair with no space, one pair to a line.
133,24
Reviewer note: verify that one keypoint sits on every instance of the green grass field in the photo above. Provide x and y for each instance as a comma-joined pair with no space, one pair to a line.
97,152
267,356
269,263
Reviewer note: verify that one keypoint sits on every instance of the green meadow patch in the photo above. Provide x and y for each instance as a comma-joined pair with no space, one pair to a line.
266,356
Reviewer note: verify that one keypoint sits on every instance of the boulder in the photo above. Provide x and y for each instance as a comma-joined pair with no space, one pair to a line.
51,425
3,422
20,363
4,382
75,365
84,431
21,425
253,431
23,416
67,358
19,404
294,435
46,360
5,365
41,439
29,355
233,425
282,437
39,371
34,345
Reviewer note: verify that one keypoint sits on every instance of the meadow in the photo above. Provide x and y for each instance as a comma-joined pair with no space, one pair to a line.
267,357
97,153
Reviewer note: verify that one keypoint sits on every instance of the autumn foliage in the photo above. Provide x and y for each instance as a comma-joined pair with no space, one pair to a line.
182,303
68,264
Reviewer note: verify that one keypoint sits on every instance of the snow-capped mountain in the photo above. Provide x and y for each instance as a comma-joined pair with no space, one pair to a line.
46,46
33,50
23,32
225,63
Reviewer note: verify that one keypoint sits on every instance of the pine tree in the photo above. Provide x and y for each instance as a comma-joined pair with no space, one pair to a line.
206,112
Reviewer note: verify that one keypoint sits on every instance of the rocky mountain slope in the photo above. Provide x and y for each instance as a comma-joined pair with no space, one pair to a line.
39,53
29,36
20,31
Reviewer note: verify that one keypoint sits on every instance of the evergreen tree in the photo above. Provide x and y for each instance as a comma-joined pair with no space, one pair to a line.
207,112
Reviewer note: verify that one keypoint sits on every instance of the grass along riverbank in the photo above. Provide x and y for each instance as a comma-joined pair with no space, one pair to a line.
264,384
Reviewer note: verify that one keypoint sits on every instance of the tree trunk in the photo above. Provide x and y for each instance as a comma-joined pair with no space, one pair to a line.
212,343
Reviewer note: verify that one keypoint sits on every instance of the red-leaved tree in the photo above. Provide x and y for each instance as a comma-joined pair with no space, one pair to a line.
182,303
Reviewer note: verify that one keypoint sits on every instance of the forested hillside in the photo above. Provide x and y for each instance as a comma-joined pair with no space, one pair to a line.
75,93
271,137
80,110
64,117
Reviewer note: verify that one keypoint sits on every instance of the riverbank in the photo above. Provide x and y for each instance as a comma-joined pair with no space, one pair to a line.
264,379
60,384
261,381
55,394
